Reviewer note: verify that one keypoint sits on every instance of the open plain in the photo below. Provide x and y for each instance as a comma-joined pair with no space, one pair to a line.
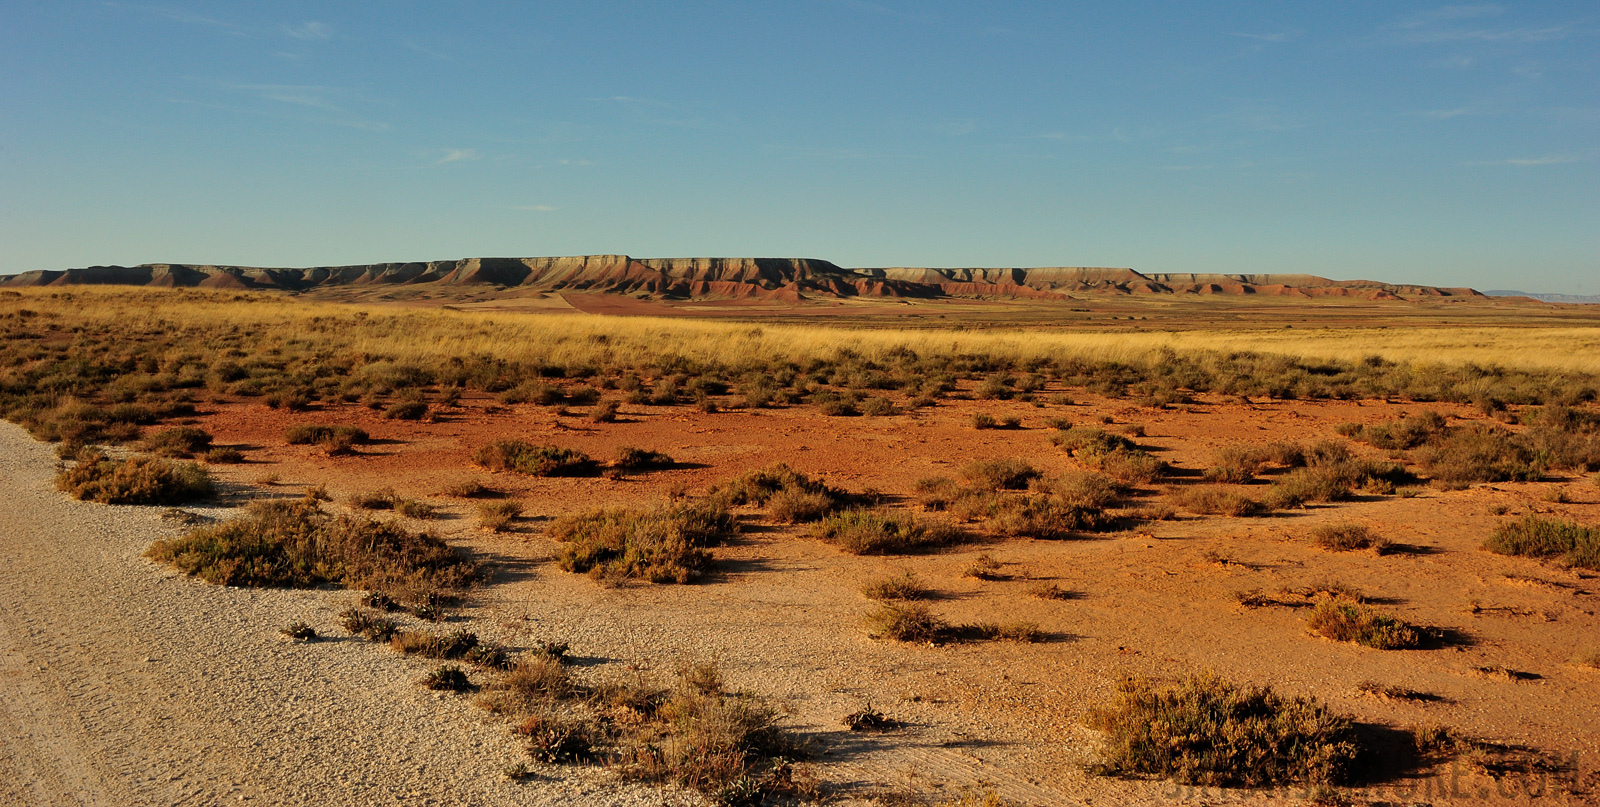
1128,488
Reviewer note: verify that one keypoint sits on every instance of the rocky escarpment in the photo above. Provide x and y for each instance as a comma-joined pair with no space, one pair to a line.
786,279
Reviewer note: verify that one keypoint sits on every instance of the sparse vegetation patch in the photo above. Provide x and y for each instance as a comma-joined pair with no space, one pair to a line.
1202,730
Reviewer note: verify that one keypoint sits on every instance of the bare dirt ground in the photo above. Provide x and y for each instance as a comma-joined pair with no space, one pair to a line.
123,683
783,613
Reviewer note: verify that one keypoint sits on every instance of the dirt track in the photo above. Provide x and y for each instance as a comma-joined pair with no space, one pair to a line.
124,684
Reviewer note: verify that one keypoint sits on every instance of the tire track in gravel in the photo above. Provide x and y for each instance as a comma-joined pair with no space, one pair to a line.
123,683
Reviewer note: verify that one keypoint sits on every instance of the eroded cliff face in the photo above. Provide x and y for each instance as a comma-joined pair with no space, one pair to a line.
784,279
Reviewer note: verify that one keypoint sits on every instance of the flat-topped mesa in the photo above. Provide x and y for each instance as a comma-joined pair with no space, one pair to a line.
782,279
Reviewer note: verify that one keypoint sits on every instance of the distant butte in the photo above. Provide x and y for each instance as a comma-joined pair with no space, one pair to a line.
778,279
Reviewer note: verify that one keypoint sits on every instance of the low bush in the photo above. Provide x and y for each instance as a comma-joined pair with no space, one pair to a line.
406,410
861,531
468,489
788,495
526,458
411,508
637,459
1344,620
1132,466
135,480
295,544
1202,730
368,625
1043,517
1538,537
1234,465
906,622
535,680
1217,500
385,499
1405,433
499,516
878,407
224,456
999,474
725,744
663,546
1084,489
1048,591
335,440
604,412
454,645
177,442
904,586
448,678
1346,537
1479,453
1086,439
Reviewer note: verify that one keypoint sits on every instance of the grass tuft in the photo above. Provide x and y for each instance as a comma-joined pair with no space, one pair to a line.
526,458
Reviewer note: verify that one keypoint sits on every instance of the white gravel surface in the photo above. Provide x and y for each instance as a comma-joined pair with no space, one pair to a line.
125,683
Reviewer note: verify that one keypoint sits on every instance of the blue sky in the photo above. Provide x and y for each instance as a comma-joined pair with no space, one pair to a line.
1441,144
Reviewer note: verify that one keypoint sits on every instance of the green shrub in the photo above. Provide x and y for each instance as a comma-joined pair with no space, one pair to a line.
1344,620
906,622
295,544
1405,433
224,456
406,410
877,407
1537,537
788,495
1202,730
448,678
1043,517
178,442
604,412
499,516
904,586
1000,474
635,459
1132,466
526,458
874,532
662,546
1479,453
454,645
1234,465
135,480
1080,439
334,439
1217,500
1346,537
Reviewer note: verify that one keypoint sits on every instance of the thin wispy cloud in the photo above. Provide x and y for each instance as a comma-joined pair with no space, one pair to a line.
1281,36
459,155
429,52
310,31
1446,114
276,114
184,17
1530,162
1469,24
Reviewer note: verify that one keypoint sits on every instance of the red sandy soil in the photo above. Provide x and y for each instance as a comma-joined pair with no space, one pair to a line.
783,612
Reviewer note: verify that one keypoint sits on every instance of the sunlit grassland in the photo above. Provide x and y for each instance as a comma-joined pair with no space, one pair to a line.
429,335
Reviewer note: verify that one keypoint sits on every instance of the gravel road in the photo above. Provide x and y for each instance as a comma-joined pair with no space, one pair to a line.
124,683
